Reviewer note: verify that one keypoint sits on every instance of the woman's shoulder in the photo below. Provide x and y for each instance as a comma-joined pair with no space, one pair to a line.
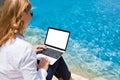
22,43
23,47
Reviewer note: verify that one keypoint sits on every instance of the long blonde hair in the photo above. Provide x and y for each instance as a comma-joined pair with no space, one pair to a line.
11,21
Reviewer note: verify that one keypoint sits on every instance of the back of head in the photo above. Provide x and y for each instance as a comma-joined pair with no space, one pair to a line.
11,21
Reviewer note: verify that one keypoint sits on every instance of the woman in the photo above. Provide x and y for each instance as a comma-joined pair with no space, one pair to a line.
17,57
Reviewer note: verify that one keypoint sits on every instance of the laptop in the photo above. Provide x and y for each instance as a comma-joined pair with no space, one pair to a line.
56,41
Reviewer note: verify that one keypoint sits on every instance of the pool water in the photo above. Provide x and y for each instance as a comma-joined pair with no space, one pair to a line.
94,45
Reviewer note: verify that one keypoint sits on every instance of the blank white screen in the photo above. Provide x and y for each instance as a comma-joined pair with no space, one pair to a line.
57,38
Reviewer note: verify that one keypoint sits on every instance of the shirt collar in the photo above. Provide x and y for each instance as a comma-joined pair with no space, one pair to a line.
18,35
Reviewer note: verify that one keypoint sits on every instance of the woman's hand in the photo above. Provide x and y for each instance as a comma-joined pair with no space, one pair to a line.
44,63
40,48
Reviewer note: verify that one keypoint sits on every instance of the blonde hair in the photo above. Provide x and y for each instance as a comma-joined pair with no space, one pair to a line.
11,21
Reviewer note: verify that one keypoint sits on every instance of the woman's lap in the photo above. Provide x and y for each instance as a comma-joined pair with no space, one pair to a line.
59,69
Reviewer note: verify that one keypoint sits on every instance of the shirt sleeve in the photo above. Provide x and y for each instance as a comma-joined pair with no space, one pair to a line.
42,73
28,66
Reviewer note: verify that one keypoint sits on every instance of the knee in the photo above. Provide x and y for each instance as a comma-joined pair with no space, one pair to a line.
66,76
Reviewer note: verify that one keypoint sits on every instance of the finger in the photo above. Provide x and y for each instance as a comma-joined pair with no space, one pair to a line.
42,47
47,60
39,50
44,60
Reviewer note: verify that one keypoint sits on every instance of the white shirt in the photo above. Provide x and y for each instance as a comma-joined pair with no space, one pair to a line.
18,61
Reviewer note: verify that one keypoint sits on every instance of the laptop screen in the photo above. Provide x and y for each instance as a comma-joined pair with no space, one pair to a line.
57,38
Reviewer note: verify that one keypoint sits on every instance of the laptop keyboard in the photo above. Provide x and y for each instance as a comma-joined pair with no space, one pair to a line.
52,53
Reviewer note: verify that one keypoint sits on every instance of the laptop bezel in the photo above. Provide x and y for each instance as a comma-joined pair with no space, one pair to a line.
58,30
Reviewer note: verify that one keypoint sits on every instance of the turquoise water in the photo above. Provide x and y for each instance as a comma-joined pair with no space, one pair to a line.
94,45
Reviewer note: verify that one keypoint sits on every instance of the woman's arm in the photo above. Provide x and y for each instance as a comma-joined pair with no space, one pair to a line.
28,66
